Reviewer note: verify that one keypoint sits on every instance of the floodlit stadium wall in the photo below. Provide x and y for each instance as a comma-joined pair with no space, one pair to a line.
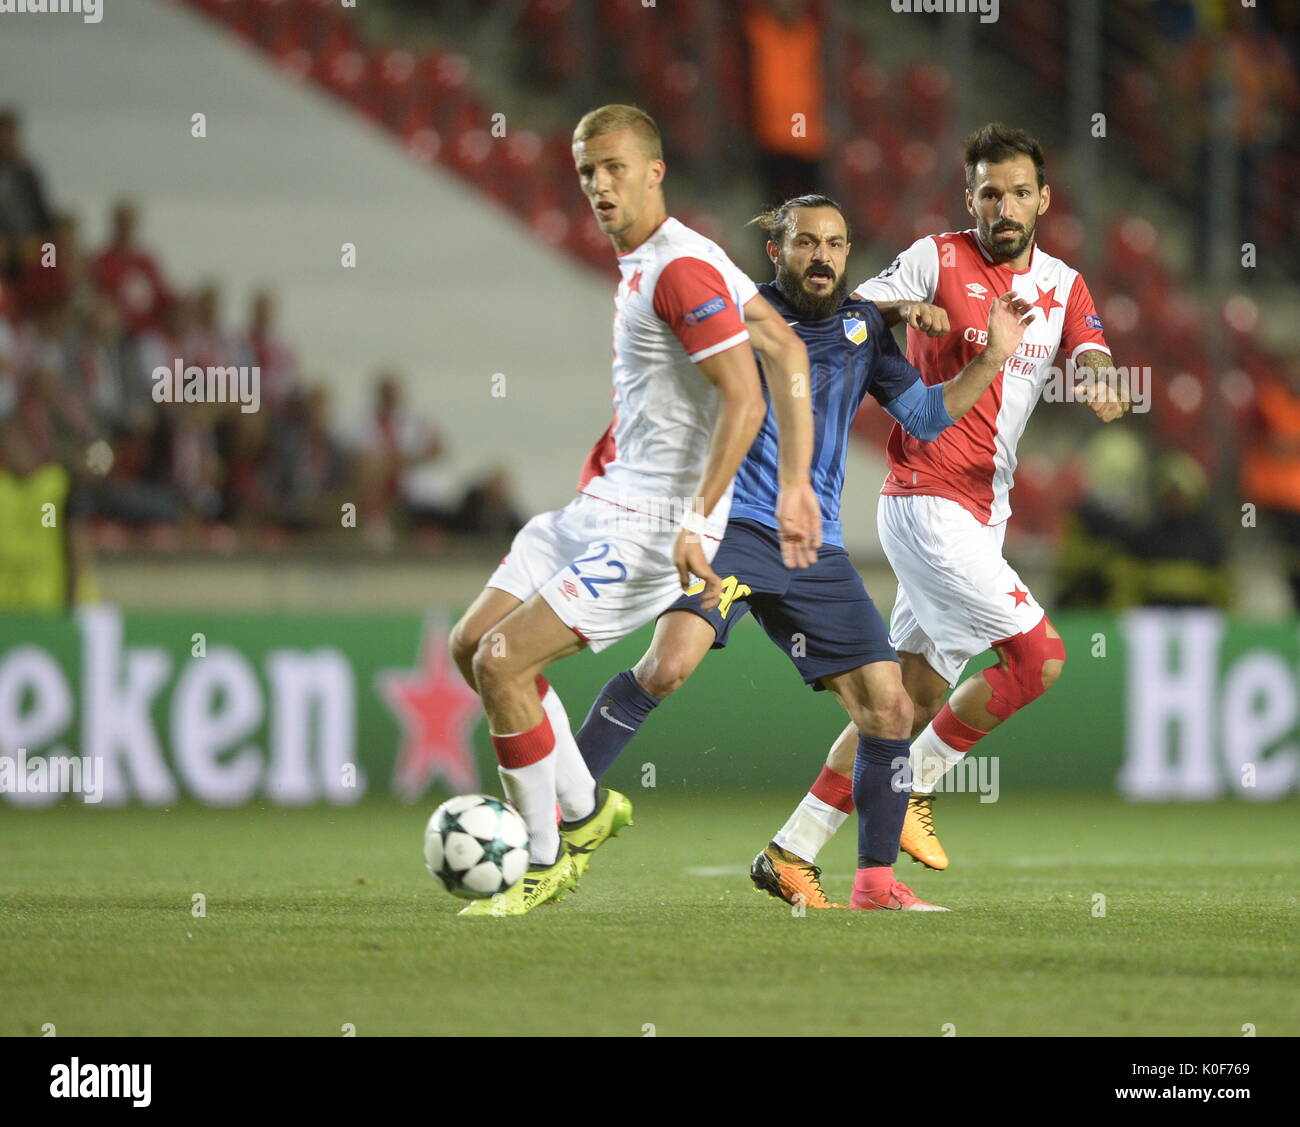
227,709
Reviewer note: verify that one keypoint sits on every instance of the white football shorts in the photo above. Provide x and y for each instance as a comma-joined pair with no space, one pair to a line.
604,570
957,595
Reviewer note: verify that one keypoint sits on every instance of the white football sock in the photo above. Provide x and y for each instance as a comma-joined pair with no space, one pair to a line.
574,785
811,826
931,759
531,791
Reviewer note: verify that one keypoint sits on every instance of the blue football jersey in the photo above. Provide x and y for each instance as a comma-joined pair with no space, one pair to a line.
851,353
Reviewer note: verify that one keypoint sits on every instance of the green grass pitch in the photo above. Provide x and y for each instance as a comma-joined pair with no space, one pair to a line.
319,918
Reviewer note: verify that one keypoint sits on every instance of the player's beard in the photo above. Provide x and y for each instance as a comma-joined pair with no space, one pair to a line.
809,306
1006,251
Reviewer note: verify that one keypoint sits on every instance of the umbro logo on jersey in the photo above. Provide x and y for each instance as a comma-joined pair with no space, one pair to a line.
855,328
570,591
976,290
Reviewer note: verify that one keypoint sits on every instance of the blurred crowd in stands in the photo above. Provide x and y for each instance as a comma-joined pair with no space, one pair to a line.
81,335
1254,53
1144,531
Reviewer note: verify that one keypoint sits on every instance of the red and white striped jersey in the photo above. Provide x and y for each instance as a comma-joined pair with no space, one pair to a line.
974,460
679,301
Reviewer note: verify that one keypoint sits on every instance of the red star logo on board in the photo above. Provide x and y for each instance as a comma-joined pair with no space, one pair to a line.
634,283
437,712
1046,301
1020,596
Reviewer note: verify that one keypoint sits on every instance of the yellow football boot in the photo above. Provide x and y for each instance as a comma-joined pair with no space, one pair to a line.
613,814
918,839
537,887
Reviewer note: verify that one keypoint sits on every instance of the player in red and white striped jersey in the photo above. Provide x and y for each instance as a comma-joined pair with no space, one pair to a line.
653,499
943,513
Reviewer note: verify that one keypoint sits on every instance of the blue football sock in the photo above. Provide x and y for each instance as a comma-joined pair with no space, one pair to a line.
617,714
882,806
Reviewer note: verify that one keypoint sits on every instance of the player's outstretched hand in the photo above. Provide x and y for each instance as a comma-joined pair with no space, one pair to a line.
799,515
1108,400
932,320
689,559
1008,317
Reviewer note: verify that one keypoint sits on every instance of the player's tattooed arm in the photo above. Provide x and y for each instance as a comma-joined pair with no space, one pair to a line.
1101,385
789,382
1008,318
932,320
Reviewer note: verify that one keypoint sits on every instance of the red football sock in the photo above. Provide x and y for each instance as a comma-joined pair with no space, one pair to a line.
525,748
954,731
527,770
834,789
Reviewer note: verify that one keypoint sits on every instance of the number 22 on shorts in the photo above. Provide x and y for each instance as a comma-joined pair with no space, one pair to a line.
592,582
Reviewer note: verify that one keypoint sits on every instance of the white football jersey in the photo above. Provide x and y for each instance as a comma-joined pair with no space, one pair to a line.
974,460
679,301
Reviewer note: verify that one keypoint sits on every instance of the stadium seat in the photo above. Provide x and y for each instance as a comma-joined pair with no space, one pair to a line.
918,161
288,40
472,154
1037,33
522,165
344,75
327,25
1067,236
867,89
620,20
553,29
444,78
861,166
293,58
240,16
550,224
1135,105
926,94
391,86
1131,252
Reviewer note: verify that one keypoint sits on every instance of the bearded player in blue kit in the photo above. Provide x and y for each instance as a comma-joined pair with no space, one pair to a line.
821,616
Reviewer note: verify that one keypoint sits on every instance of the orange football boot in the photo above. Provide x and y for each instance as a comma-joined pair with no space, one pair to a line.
918,839
789,877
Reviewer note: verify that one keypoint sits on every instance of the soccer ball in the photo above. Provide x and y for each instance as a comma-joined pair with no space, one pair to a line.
476,845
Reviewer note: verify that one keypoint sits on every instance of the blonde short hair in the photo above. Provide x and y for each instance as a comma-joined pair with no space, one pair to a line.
612,118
